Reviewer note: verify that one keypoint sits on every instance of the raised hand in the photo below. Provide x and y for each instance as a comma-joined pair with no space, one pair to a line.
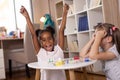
62,26
24,12
66,8
93,36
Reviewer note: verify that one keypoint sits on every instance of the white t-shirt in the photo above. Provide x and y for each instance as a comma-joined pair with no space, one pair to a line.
43,58
112,67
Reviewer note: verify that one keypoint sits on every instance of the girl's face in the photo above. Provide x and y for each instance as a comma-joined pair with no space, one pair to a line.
47,41
103,42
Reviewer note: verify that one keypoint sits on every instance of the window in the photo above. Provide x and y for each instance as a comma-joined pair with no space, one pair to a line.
10,16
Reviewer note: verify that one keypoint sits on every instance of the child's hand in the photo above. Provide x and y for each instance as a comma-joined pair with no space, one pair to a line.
66,8
24,12
93,36
101,34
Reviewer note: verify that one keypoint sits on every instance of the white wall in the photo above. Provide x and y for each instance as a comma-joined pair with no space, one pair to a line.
40,7
119,6
119,11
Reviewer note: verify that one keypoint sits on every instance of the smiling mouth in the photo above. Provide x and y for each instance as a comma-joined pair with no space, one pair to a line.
49,48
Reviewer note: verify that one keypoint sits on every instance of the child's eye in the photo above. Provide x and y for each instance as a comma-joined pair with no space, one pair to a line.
50,38
43,40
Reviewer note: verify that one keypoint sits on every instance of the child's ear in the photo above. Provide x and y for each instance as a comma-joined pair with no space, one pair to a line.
109,39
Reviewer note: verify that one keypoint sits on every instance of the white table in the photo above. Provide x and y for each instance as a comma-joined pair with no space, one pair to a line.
69,67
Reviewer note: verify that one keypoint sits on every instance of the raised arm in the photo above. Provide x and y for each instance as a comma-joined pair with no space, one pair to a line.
24,12
62,26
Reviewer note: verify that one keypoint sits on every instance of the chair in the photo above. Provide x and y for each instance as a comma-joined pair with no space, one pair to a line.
25,55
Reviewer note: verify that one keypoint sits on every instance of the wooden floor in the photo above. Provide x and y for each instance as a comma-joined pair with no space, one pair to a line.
79,76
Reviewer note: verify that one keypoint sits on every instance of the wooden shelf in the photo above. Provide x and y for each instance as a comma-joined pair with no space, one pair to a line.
94,12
